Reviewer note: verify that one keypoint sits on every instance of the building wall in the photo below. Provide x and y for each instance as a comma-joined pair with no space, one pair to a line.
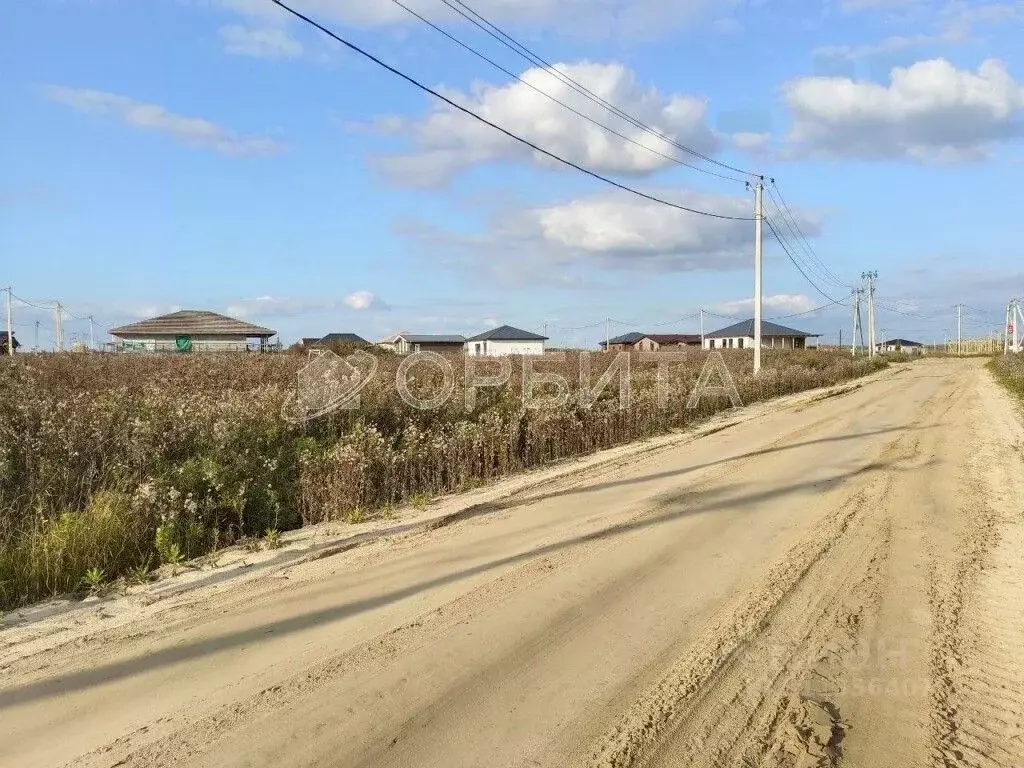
200,343
490,348
747,342
440,348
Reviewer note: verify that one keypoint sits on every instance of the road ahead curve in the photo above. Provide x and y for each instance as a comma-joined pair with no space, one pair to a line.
839,582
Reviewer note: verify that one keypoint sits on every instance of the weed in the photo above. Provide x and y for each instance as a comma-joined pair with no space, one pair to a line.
108,461
272,538
93,580
356,515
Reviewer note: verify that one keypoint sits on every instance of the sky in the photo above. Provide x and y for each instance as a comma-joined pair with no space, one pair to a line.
221,154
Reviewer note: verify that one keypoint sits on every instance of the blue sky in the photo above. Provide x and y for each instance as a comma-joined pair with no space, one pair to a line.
217,154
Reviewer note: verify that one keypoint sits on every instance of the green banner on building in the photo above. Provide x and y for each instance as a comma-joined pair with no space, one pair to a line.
183,344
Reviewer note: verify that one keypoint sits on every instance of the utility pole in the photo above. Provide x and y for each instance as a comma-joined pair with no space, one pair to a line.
36,346
857,293
959,337
758,245
59,328
608,335
10,323
92,333
702,329
870,277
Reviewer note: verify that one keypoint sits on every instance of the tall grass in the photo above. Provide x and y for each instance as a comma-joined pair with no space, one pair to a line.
1009,370
123,462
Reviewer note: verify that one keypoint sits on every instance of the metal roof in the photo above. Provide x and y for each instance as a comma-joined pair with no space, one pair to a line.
746,328
901,343
421,338
348,338
626,338
675,338
192,322
507,333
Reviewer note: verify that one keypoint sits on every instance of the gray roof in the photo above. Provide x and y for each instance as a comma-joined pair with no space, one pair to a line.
424,338
746,328
507,333
626,338
901,343
348,338
193,322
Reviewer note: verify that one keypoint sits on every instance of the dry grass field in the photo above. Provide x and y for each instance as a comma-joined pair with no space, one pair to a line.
113,465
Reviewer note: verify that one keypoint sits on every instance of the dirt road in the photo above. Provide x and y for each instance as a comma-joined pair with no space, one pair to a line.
838,582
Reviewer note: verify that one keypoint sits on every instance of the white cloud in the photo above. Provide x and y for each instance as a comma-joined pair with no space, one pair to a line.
277,306
446,141
861,5
362,300
580,17
260,42
782,303
194,131
930,111
571,243
951,22
748,141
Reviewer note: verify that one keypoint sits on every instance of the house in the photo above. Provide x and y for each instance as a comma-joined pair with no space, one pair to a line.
652,342
338,338
901,345
505,340
741,336
622,343
403,343
3,342
190,330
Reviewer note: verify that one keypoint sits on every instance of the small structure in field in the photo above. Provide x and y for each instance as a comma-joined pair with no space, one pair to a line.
351,339
505,340
652,342
191,330
3,343
403,343
773,336
901,345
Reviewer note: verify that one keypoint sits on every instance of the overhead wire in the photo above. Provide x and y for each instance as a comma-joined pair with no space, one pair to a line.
465,110
555,99
794,227
796,264
807,265
522,50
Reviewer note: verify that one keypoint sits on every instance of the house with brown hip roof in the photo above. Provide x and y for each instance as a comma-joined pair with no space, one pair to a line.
191,330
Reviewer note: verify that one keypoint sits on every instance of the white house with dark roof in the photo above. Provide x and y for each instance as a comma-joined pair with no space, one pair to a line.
901,345
773,336
505,340
403,343
190,330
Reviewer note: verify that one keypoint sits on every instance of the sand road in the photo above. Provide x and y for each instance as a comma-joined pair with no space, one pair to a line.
837,582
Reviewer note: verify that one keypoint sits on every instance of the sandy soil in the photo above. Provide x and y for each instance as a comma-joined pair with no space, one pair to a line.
832,580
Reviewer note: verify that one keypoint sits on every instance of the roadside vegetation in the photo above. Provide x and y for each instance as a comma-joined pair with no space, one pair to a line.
113,465
1009,370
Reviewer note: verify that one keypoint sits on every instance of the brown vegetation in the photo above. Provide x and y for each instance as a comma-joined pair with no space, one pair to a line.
116,464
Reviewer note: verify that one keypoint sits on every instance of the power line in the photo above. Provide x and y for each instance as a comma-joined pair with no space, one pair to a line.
795,263
465,110
555,99
519,48
794,227
810,266
807,311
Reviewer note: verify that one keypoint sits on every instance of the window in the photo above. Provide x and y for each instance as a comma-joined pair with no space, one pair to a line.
740,344
479,348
